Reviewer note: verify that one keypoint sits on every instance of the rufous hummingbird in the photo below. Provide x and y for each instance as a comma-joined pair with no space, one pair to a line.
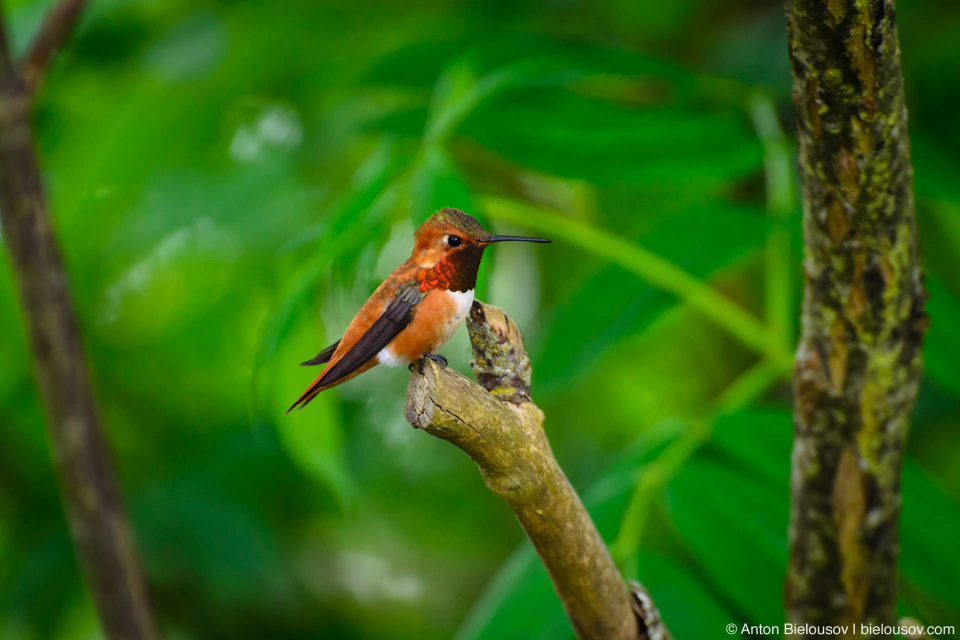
417,308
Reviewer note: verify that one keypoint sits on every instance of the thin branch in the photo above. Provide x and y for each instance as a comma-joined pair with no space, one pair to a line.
98,524
498,426
858,362
53,33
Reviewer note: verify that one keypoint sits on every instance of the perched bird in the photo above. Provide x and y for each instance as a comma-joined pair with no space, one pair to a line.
417,308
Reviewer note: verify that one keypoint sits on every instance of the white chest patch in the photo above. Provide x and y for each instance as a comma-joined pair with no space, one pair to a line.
463,300
387,358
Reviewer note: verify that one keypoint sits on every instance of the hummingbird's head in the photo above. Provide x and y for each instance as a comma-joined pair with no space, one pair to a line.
452,235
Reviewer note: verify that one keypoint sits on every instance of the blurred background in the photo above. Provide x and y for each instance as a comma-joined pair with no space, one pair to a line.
231,180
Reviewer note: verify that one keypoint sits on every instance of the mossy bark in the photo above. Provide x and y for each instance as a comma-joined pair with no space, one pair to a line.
858,361
98,524
500,428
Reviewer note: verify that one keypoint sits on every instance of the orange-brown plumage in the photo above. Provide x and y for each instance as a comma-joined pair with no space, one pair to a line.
417,308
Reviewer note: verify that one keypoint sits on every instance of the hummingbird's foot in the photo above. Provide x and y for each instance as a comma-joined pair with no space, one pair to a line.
436,357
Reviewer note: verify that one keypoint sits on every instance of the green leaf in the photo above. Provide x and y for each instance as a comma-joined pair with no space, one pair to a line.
338,237
678,592
315,443
572,136
420,64
503,612
757,441
347,217
736,527
435,184
313,437
190,49
941,348
928,557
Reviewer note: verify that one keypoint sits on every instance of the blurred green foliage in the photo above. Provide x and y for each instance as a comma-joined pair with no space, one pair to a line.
230,180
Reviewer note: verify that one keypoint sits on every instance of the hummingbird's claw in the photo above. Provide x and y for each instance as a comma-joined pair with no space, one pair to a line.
436,357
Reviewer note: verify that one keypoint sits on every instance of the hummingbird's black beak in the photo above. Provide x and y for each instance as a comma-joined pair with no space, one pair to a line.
514,239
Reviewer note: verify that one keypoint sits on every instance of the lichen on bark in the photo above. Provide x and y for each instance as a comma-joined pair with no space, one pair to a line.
858,362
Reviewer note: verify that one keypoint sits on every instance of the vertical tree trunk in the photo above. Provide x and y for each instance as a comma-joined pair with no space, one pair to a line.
858,361
98,524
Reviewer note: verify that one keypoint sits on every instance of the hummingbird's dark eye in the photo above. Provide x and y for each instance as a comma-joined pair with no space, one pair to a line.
454,241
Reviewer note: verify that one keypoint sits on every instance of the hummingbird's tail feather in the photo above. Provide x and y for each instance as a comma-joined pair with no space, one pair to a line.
319,385
322,357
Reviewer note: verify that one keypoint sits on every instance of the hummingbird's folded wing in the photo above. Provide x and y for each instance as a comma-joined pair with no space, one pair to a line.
322,357
394,319
396,316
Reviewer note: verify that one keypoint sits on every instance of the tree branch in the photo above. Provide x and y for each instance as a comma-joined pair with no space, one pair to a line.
57,26
858,362
98,524
501,430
